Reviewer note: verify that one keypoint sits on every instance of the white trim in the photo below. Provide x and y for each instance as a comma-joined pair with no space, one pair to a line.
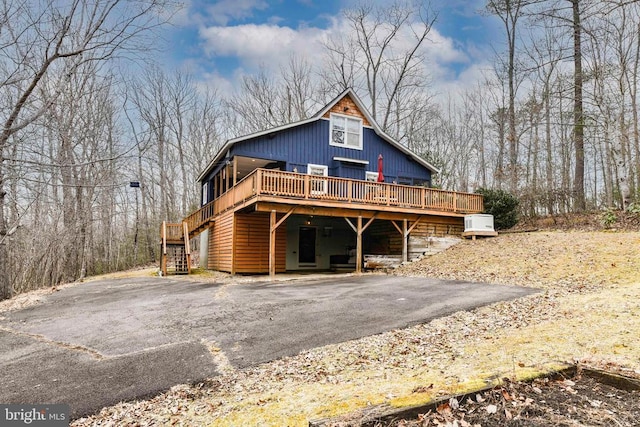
348,160
318,186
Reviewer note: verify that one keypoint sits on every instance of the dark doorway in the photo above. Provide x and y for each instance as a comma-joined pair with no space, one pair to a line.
307,245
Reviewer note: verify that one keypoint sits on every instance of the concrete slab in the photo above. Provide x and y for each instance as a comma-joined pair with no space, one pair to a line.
102,342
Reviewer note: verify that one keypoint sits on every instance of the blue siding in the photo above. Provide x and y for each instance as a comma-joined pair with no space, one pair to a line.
309,143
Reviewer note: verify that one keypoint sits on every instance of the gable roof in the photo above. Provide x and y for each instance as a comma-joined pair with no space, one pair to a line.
347,92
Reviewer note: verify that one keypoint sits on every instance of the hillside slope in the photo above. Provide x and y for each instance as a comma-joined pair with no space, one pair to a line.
551,259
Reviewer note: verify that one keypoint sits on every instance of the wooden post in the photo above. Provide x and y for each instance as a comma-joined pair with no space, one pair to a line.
163,256
234,237
235,170
187,245
405,241
359,246
272,244
258,181
307,186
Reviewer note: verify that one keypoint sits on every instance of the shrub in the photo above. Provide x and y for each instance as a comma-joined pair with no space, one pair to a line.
608,218
502,205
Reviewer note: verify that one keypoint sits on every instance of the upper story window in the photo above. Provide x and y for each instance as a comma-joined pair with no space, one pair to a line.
318,185
371,176
346,131
205,193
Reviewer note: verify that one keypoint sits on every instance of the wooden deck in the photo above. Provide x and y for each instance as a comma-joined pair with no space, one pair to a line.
295,189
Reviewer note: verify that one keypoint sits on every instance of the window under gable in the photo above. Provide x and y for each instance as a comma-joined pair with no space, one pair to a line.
346,131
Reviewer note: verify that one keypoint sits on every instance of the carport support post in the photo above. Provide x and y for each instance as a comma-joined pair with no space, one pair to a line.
405,239
359,246
272,244
163,249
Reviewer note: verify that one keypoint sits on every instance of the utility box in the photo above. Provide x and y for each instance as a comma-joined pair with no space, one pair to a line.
478,225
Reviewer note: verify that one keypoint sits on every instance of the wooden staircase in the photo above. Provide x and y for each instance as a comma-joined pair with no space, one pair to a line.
175,249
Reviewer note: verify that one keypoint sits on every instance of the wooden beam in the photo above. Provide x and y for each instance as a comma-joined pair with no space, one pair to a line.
163,256
353,227
368,223
258,183
284,218
235,170
307,185
187,245
397,227
415,223
272,244
405,241
352,210
234,233
273,227
359,246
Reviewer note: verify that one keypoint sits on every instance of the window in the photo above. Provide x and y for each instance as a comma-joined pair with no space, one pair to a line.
318,186
205,193
371,176
346,132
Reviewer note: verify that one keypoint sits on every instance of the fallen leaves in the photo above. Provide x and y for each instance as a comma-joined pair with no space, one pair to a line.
491,409
572,317
541,403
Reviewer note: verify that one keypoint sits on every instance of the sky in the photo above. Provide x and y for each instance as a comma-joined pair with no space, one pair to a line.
219,41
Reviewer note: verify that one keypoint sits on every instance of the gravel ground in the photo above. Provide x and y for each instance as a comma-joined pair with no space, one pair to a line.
587,312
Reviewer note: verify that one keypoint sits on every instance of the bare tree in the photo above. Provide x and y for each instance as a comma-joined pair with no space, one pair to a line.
38,38
578,117
510,12
571,15
267,100
383,57
544,54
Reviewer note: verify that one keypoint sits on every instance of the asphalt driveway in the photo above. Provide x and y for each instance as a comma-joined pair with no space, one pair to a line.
106,341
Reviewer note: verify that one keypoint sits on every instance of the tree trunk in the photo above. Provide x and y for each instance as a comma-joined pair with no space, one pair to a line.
579,201
549,159
5,282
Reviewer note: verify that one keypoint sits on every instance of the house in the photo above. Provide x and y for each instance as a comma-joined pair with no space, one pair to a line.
310,195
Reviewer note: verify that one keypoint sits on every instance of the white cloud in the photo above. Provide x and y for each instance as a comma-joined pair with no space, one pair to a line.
255,45
214,80
223,11
452,67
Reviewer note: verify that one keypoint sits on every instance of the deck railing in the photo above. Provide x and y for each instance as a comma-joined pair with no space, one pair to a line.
172,231
290,185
